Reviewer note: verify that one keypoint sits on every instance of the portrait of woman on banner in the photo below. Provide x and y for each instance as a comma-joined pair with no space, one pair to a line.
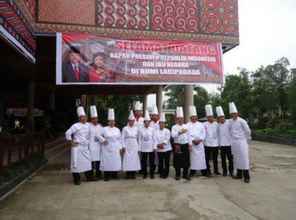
98,70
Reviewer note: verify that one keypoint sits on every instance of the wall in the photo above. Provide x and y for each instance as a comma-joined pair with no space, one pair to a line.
167,19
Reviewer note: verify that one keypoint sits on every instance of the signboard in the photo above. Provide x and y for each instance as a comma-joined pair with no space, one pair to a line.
22,112
89,59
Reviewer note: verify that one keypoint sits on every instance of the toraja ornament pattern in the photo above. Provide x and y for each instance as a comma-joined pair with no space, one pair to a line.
126,14
17,25
203,16
31,5
175,15
212,20
219,17
200,20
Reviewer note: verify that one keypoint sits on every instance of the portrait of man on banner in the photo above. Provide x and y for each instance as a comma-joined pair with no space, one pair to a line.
74,69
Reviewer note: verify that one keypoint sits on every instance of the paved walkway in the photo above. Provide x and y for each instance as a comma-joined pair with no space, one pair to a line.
270,195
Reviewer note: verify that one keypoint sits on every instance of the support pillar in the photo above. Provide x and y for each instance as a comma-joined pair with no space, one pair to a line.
52,99
159,98
188,101
83,100
30,106
145,100
2,112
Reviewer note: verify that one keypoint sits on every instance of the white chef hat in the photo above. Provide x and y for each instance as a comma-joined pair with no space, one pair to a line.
138,106
131,116
147,116
232,108
162,117
192,111
154,110
93,111
209,110
111,114
179,112
219,111
80,111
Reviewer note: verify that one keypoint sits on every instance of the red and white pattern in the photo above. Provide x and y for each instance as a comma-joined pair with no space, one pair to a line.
219,17
15,23
31,5
126,14
175,15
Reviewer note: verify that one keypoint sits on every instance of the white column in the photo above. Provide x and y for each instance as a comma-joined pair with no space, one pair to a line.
145,100
188,100
159,98
83,100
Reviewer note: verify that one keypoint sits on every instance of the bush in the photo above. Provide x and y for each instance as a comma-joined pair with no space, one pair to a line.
284,132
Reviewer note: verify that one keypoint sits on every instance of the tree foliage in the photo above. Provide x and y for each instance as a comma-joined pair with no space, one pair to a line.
265,97
121,105
175,96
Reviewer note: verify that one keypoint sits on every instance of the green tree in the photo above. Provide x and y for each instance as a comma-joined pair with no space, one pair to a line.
270,93
264,98
280,74
237,89
292,97
121,105
200,98
175,96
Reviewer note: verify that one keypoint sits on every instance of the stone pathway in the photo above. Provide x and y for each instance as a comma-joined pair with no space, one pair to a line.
270,195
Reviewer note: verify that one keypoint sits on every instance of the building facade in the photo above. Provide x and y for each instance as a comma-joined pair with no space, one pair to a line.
28,30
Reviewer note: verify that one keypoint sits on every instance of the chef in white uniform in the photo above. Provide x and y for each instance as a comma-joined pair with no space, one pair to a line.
154,123
211,141
154,117
240,135
224,142
95,141
131,160
182,145
139,120
198,133
78,135
111,148
147,147
138,109
162,137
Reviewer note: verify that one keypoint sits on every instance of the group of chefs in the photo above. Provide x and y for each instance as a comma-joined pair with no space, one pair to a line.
146,144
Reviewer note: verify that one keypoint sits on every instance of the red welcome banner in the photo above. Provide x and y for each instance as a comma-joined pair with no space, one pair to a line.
89,59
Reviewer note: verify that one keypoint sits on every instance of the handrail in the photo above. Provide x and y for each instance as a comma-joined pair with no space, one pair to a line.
18,147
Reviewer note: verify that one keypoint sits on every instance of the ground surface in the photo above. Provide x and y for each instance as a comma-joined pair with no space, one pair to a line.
270,195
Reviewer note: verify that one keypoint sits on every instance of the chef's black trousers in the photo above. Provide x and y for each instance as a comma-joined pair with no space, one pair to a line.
212,153
241,173
203,172
77,179
226,155
96,168
145,156
181,159
164,163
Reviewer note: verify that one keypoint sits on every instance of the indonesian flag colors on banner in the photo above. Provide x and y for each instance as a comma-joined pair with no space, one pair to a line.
89,59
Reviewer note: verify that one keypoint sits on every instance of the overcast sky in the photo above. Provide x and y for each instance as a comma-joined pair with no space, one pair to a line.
267,33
